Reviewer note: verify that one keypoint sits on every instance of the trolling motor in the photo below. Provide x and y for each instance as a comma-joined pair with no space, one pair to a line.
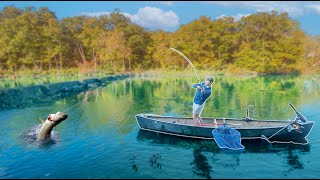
299,116
247,113
296,124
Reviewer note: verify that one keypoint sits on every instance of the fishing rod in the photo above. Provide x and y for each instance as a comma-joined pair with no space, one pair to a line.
192,66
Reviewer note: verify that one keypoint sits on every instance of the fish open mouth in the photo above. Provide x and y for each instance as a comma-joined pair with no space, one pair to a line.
56,118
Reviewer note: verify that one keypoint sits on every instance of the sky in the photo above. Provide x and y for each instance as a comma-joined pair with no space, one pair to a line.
170,15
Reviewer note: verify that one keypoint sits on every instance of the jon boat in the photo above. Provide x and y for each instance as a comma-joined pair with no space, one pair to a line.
294,131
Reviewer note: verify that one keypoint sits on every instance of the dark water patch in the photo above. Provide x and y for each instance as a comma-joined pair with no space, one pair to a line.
48,93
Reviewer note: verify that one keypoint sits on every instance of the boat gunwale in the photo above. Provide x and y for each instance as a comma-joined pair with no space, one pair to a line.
208,138
213,126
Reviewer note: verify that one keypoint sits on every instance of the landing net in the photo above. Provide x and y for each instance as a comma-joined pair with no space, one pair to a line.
227,137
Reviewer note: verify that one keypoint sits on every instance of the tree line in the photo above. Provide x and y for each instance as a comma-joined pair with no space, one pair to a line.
263,42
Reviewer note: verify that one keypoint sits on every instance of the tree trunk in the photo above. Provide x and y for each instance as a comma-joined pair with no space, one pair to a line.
34,64
82,53
175,66
100,63
123,65
57,66
41,64
100,69
110,62
182,64
247,38
95,61
49,65
263,42
114,66
80,49
60,58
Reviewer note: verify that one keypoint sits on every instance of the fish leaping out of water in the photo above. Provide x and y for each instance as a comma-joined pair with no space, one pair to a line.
47,125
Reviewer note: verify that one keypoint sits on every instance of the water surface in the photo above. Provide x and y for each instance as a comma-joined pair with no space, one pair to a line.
101,139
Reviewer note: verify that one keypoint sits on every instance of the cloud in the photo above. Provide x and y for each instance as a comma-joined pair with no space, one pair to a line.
95,14
293,8
169,3
314,7
155,18
236,17
149,17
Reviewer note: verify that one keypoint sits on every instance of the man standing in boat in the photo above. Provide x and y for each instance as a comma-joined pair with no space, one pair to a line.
202,94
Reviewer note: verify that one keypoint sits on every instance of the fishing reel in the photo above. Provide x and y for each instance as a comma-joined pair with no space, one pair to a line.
202,85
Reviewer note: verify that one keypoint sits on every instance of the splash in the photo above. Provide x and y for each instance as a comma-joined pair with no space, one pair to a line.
30,136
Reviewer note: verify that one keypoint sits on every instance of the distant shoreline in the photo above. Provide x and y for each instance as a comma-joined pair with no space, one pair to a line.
188,72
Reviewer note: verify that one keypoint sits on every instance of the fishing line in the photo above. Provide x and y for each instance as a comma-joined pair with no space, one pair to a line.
82,100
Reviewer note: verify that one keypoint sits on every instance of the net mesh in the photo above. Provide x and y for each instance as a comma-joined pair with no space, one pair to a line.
227,137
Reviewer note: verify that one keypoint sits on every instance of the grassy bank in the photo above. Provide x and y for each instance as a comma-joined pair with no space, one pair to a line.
75,72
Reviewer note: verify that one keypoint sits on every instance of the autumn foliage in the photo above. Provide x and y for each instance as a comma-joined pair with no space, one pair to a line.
261,43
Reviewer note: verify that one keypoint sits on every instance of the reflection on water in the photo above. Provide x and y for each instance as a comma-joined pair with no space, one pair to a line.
155,161
37,80
201,166
251,146
134,165
231,96
293,160
222,157
102,138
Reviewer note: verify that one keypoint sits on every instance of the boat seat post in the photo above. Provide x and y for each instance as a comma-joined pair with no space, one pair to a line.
247,113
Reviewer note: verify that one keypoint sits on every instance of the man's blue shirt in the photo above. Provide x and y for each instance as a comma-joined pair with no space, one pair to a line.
200,98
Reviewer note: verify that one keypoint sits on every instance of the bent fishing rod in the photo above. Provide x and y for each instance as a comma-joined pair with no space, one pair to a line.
192,66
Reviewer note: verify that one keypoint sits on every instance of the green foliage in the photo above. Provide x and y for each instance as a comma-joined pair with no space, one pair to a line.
274,40
263,43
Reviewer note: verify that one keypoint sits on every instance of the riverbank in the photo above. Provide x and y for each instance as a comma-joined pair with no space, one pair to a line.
24,80
74,72
44,93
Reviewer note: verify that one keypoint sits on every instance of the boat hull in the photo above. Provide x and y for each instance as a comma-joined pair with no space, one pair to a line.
277,133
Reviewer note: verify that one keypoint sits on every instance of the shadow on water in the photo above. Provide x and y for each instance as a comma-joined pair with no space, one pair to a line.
231,159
